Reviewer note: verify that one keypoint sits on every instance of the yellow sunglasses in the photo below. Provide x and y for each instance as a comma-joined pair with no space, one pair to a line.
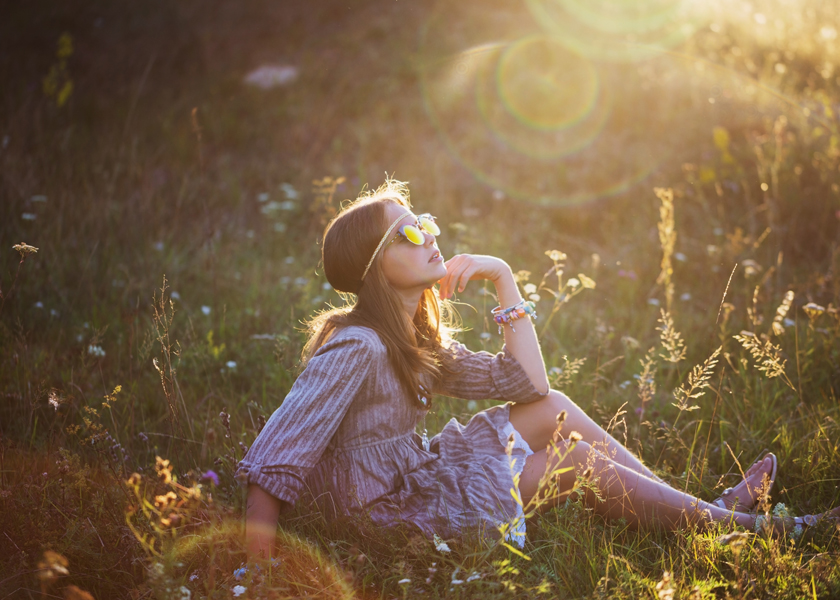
414,232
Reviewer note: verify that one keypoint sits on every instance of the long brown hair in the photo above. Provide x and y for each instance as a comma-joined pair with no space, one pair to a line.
350,239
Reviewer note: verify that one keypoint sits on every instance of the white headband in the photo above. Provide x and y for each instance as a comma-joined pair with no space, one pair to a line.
382,241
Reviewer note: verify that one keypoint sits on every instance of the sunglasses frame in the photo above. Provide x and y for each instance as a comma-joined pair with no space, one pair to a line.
419,225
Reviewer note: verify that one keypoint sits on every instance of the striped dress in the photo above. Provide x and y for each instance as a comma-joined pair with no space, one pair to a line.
345,437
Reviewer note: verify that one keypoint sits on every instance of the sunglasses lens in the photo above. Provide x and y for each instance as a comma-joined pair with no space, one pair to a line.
413,234
429,225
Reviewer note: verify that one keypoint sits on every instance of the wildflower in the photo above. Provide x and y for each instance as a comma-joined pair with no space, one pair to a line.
587,282
239,573
485,335
263,197
285,279
573,282
575,437
813,310
185,593
440,545
175,295
788,322
52,565
685,297
231,364
751,268
205,309
23,249
289,260
556,255
301,281
498,195
287,205
238,590
39,304
28,216
53,312
326,286
653,301
530,288
143,437
472,405
211,475
290,191
270,76
630,343
404,581
680,257
280,227
55,399
96,351
534,297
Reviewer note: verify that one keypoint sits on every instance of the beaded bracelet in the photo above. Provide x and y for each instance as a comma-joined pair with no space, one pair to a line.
510,314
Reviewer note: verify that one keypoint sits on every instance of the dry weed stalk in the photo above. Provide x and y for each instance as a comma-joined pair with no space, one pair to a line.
671,338
164,313
647,383
667,240
781,312
565,290
767,356
698,381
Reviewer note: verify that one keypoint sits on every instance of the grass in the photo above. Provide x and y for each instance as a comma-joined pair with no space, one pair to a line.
176,220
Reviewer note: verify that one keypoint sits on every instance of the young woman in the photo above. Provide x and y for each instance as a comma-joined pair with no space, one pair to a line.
345,434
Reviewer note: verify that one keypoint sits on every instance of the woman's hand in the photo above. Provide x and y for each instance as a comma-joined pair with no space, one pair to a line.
462,268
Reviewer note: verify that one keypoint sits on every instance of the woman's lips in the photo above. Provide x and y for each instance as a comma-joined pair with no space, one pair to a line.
436,257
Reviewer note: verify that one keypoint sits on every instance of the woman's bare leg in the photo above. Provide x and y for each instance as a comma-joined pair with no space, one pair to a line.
536,423
626,493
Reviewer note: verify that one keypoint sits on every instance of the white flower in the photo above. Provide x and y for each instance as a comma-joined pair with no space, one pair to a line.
534,297
472,405
680,257
289,190
573,282
185,593
263,197
788,322
653,301
326,286
484,335
685,297
530,288
301,281
403,581
473,577
205,309
440,545
287,205
280,227
238,590
175,296
231,364
28,216
96,351
269,76
285,279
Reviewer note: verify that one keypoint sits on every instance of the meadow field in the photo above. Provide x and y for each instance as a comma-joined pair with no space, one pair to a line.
663,176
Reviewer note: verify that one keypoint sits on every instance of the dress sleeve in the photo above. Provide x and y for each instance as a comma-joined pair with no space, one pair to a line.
484,376
297,433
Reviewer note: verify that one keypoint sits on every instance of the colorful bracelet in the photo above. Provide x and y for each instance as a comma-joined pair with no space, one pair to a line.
510,314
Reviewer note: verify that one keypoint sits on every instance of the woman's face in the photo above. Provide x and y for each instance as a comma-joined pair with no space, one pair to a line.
409,268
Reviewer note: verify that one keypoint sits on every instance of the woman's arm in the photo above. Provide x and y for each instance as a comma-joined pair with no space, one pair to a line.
261,513
522,343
